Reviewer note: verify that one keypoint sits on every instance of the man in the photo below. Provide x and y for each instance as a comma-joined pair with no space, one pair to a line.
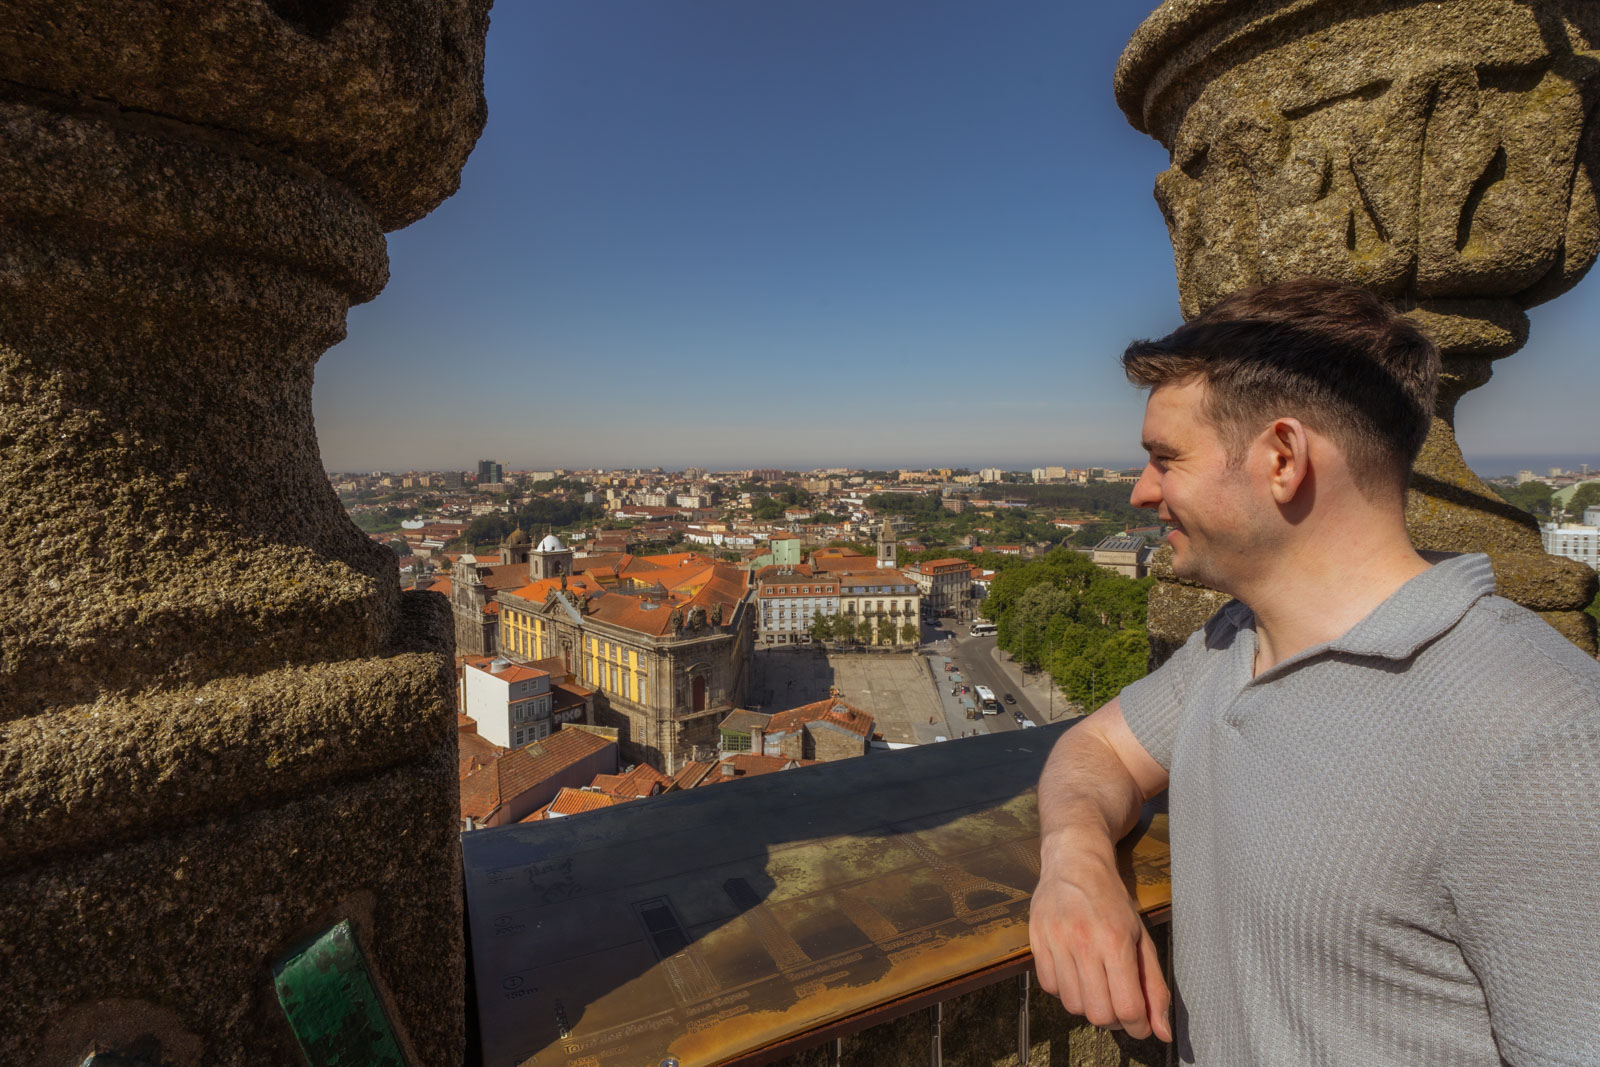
1384,780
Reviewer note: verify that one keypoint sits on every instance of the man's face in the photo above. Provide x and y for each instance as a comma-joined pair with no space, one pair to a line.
1188,480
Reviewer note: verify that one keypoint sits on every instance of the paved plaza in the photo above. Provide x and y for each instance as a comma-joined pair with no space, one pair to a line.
896,689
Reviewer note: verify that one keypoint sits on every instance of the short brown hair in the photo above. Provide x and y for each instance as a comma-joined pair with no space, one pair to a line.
1332,355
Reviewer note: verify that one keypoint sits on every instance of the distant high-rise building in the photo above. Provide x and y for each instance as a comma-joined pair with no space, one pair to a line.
1574,540
489,471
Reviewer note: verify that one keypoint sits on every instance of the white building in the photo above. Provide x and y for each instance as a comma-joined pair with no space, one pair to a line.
786,601
511,703
1579,541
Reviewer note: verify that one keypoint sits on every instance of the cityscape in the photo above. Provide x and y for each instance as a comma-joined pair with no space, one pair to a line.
684,618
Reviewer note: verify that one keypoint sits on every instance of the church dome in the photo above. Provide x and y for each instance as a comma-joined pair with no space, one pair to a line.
551,543
517,537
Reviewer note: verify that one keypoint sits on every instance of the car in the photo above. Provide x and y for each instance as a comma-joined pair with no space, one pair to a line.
1021,718
1009,699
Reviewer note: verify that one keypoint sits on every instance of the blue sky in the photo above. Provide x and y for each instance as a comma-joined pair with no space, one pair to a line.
808,232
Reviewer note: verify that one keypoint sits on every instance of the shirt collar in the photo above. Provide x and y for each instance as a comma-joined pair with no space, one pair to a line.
1413,615
1421,610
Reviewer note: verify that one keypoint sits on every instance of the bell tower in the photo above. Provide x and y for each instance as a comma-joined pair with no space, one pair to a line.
550,559
887,548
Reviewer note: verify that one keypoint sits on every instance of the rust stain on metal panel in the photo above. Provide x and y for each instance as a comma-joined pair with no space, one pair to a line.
719,921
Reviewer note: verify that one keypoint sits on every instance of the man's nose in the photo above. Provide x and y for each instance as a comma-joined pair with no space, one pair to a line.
1147,490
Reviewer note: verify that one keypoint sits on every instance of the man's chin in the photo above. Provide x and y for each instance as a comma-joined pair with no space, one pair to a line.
1185,566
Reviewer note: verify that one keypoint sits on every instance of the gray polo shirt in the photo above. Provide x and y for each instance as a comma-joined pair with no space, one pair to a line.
1385,849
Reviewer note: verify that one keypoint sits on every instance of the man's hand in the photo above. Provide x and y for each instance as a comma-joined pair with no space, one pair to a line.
1089,945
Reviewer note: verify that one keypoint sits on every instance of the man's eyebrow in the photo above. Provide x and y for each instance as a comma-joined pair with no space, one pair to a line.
1154,446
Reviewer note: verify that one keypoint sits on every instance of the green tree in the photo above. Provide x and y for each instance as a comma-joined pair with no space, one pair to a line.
844,628
1039,615
485,529
1532,497
821,627
909,633
1100,671
1586,496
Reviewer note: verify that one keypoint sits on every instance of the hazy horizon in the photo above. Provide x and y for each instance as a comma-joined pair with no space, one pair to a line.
1484,465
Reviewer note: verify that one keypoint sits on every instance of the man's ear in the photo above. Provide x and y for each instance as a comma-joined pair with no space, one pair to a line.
1289,458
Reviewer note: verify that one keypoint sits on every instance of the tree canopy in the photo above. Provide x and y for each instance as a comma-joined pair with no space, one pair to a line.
1532,497
1082,623
1586,496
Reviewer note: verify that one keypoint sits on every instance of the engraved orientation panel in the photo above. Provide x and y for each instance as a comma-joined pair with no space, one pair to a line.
702,925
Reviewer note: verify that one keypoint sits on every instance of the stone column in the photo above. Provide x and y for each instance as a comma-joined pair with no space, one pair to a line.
223,727
1442,155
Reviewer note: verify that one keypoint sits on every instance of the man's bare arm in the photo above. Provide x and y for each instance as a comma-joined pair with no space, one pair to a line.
1089,945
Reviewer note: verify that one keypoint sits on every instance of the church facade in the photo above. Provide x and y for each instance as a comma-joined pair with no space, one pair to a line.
665,642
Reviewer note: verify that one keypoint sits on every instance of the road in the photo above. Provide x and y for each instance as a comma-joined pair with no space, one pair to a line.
978,662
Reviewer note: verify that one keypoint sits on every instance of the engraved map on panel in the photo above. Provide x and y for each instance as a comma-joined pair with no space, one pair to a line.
679,938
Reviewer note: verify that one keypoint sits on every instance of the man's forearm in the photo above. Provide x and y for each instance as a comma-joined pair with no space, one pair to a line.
1085,791
1090,947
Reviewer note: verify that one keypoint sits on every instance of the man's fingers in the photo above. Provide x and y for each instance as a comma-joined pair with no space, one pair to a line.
1096,997
1127,994
1068,990
1043,961
1157,998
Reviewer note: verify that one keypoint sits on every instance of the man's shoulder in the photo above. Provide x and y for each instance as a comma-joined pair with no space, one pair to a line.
1506,652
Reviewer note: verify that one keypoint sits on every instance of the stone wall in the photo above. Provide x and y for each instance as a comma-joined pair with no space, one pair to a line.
1442,155
223,727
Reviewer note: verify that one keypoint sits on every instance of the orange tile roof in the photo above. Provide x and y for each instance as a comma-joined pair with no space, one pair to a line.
830,712
538,592
804,570
521,769
571,801
500,576
475,753
515,672
695,773
876,576
748,765
844,564
554,666
643,781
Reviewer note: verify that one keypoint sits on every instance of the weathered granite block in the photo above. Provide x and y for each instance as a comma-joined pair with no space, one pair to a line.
222,725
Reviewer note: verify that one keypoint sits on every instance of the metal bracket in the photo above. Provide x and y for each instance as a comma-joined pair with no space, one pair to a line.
1024,980
936,1023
